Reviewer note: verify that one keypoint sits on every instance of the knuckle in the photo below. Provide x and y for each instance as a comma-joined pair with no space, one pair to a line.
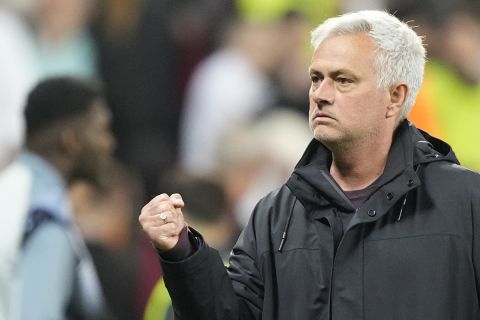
163,206
162,197
141,217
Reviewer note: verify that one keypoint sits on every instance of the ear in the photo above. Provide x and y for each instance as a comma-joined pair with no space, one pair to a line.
398,95
70,144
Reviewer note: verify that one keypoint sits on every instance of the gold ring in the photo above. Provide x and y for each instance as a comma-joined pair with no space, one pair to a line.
163,216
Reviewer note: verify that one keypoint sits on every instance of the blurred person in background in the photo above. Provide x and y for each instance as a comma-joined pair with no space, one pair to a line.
234,85
290,79
227,88
448,104
147,50
208,211
355,5
297,18
368,222
104,213
315,11
258,156
16,79
63,44
67,138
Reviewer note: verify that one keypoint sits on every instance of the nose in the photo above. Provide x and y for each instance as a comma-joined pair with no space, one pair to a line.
110,142
323,92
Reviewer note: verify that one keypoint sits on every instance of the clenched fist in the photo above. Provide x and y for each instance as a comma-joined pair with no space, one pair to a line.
162,220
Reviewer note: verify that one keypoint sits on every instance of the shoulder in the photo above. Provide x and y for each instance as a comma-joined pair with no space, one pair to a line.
50,242
272,211
453,178
267,223
275,203
48,261
453,170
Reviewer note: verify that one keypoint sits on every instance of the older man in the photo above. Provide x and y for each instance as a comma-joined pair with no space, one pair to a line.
378,220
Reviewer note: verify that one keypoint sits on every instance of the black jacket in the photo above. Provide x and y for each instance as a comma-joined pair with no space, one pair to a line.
411,251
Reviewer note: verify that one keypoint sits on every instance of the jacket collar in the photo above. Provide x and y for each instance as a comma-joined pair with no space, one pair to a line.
313,185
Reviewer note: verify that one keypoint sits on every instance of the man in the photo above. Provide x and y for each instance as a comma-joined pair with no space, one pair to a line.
378,220
68,137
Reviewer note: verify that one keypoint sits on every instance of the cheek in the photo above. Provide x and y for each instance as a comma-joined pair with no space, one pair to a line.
312,104
311,110
101,140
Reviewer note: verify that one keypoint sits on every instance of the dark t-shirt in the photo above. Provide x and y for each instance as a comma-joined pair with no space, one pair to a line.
357,198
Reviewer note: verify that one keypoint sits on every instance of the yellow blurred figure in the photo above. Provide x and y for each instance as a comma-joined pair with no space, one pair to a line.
267,10
449,108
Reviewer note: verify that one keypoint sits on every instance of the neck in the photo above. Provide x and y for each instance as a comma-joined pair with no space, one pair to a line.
357,167
59,162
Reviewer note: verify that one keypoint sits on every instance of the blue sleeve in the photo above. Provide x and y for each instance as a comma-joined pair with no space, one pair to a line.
47,274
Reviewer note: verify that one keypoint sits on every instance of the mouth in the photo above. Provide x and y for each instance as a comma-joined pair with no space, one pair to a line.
322,116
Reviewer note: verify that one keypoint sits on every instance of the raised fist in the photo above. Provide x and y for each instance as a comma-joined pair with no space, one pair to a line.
162,220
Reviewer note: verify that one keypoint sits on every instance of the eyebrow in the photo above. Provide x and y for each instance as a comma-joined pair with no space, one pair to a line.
334,73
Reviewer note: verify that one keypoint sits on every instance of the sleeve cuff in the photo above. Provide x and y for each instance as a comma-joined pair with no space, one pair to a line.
184,248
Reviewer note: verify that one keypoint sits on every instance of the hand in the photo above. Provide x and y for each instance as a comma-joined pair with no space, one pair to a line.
162,220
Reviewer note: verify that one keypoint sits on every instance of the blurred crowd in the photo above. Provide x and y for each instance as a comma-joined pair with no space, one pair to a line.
106,103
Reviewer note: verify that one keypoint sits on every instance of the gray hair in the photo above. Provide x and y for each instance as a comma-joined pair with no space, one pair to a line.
400,55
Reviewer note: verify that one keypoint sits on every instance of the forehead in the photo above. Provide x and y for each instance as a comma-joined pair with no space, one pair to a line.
355,52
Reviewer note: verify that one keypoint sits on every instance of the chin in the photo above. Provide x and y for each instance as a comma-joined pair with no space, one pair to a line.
326,140
331,141
93,169
323,136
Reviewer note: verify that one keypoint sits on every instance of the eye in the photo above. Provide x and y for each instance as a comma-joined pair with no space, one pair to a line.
344,81
315,78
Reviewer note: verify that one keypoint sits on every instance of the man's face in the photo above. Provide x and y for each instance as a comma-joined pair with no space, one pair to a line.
96,143
346,105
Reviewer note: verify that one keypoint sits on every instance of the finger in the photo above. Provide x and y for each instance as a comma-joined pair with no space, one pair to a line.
153,215
164,234
152,206
169,229
163,216
159,199
177,200
157,213
158,221
163,207
168,216
178,204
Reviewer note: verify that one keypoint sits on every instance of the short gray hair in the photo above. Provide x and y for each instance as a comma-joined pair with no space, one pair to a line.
400,55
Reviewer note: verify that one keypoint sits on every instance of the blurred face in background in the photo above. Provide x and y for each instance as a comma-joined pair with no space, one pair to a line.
461,46
95,143
58,18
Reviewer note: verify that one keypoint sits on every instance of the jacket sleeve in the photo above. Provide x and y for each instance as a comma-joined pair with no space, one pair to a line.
202,288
